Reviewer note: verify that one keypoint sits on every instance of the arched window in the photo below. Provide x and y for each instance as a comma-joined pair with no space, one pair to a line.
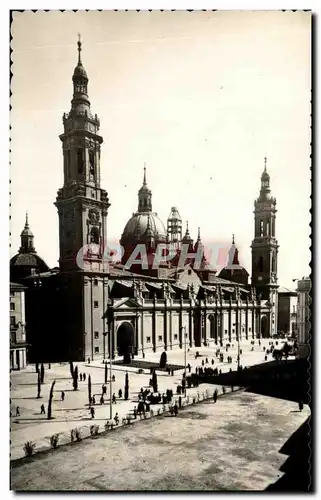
80,161
94,235
273,263
91,163
261,228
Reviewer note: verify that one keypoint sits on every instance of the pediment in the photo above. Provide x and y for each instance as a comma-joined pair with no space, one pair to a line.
126,303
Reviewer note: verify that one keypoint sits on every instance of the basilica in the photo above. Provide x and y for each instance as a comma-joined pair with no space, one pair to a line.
161,293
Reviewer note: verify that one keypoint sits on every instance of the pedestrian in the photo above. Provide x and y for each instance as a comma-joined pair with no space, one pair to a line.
113,378
62,395
212,361
215,396
114,398
116,418
92,412
17,412
175,409
94,400
84,377
120,393
220,372
43,411
180,402
223,389
203,362
88,360
104,389
80,376
206,360
300,405
102,400
172,373
135,412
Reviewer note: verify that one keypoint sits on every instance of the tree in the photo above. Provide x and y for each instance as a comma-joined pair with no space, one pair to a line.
49,413
126,386
154,381
89,389
75,379
71,365
106,372
163,360
42,373
39,385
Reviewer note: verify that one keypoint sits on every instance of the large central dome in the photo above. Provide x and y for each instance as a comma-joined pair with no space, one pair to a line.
143,226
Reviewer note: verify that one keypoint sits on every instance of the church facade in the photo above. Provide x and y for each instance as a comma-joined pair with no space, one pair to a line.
99,307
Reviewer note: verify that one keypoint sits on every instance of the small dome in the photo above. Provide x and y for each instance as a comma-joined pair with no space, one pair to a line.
265,176
26,231
80,72
140,224
29,260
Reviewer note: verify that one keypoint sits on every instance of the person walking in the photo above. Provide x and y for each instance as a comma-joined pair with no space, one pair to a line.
215,396
92,412
62,397
104,388
94,400
17,412
135,412
80,377
180,402
102,400
42,410
116,418
114,398
120,393
113,378
84,377
175,409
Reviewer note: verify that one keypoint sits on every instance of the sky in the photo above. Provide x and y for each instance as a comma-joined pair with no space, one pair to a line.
200,97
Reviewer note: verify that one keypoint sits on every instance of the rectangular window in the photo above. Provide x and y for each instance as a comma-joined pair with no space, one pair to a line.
12,321
148,340
96,334
160,338
96,282
95,303
96,349
12,306
175,337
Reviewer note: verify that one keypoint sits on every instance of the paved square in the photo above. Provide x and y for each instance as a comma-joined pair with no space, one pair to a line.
231,445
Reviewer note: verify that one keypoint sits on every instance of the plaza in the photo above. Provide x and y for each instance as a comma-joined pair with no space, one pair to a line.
231,445
74,410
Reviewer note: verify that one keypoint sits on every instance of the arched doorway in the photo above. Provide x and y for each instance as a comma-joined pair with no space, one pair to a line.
126,341
264,327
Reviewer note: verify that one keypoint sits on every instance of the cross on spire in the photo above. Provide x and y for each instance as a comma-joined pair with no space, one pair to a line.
265,161
233,239
144,181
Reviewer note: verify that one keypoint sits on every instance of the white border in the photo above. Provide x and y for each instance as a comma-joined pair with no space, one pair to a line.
4,174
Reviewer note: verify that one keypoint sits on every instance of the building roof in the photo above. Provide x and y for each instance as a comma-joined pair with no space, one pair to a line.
16,286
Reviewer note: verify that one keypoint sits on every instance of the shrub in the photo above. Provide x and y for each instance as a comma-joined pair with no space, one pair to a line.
54,441
94,430
78,434
29,448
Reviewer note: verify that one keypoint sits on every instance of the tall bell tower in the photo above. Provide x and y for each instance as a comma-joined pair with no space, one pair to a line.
265,249
82,208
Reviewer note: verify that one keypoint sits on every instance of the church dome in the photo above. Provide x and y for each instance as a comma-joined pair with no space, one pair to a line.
80,72
143,226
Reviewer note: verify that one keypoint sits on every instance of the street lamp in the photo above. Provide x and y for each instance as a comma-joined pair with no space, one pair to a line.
185,344
110,372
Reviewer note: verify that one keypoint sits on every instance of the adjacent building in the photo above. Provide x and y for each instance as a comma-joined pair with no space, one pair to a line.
18,345
303,317
287,312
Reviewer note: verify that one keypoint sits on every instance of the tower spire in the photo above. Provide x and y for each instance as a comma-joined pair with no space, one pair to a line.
27,223
144,180
79,49
265,162
233,239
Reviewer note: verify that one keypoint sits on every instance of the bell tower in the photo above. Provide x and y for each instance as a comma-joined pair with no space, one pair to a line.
265,248
82,209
